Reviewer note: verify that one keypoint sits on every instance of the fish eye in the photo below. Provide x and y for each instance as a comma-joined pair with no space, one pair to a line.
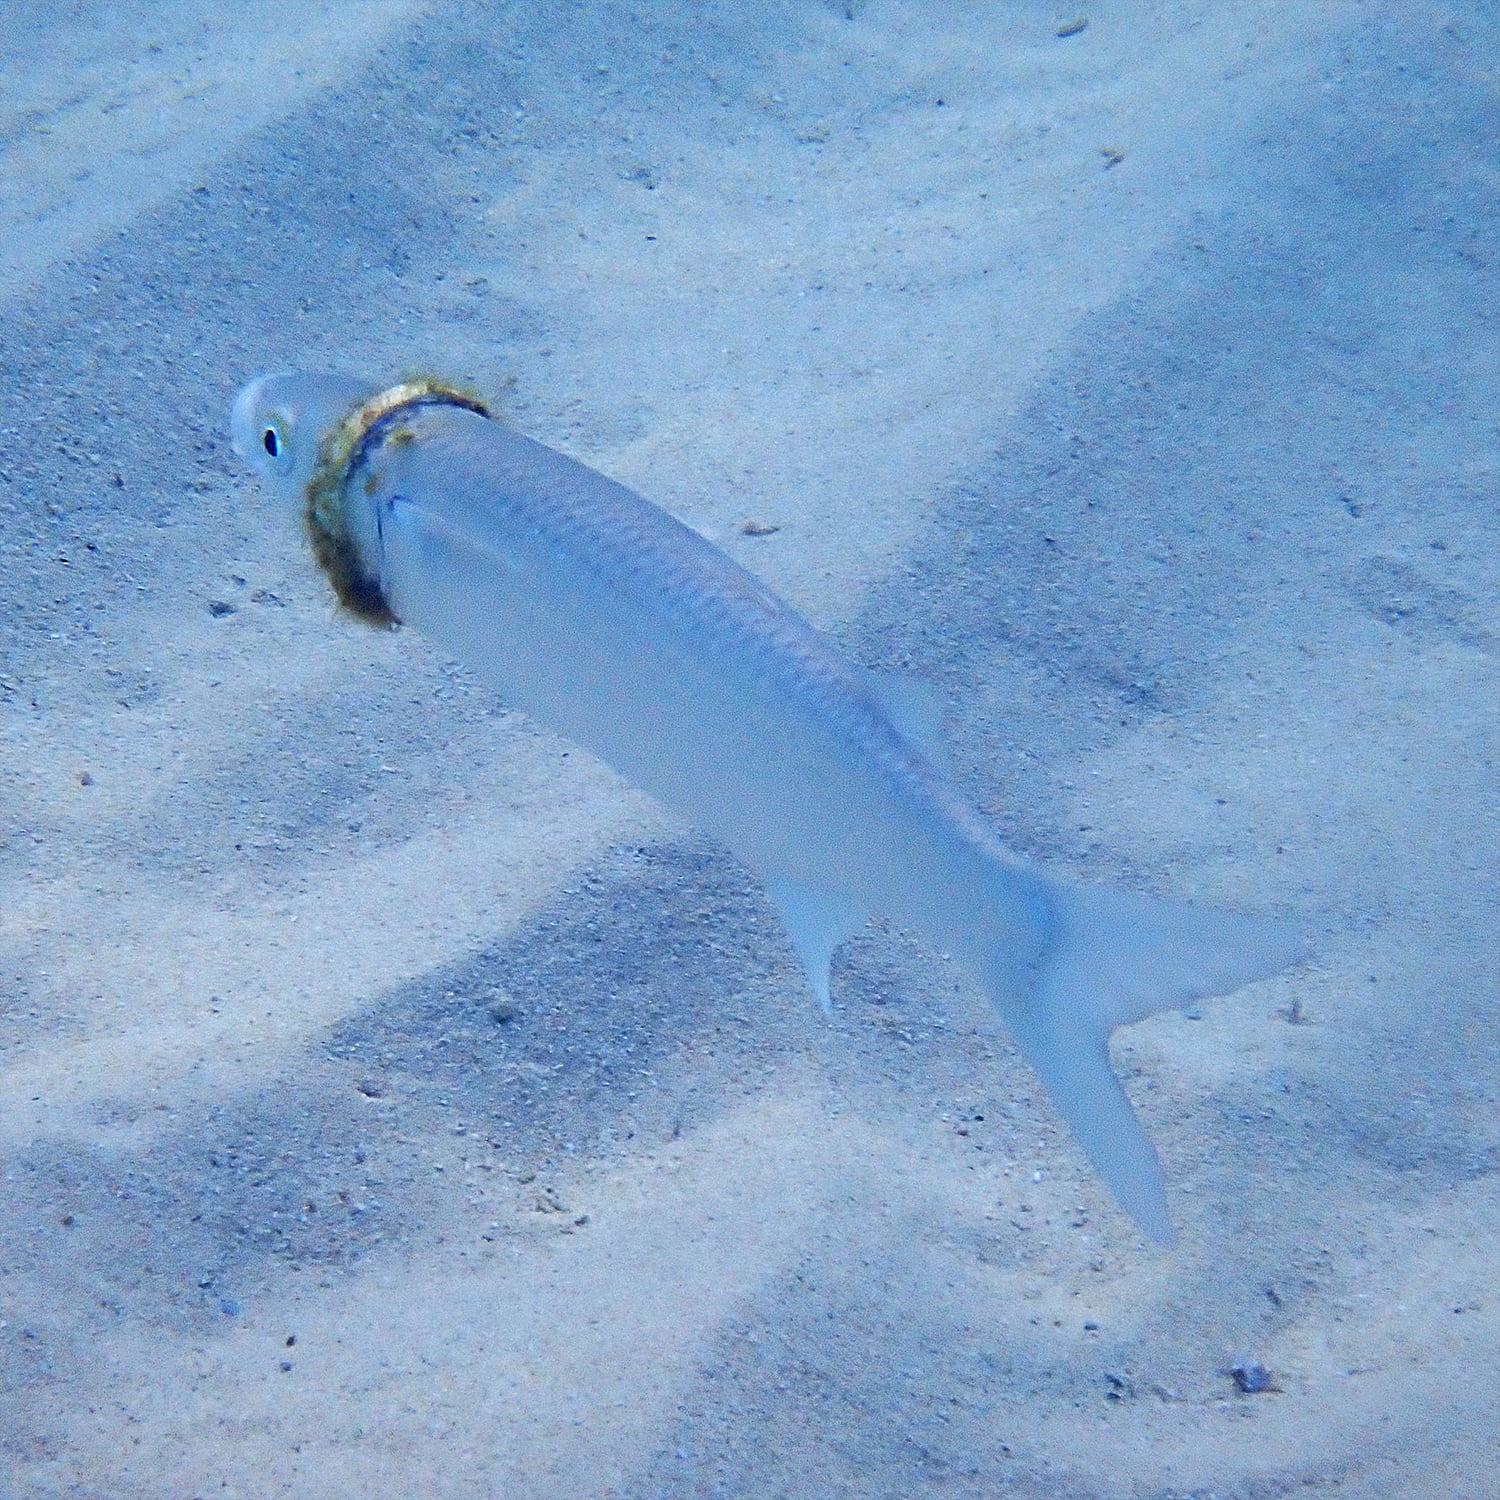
271,441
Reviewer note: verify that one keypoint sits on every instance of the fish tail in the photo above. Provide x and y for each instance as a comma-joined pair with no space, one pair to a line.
1108,958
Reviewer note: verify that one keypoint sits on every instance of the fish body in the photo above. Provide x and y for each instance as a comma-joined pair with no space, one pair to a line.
634,636
600,615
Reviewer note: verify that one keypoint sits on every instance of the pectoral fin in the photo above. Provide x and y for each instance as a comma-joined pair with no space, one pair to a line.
817,921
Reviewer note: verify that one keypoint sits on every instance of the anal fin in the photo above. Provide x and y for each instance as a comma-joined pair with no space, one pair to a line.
816,921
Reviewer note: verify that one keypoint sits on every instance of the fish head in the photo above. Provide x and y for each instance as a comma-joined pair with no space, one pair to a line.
279,423
296,432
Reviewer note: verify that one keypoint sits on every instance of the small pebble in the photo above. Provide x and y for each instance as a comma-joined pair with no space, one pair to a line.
371,1088
1072,28
759,528
218,608
229,1307
503,1010
1252,1380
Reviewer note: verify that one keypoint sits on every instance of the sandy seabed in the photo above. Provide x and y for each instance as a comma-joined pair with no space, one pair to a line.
391,1099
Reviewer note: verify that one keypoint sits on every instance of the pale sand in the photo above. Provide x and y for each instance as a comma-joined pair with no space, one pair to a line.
1176,474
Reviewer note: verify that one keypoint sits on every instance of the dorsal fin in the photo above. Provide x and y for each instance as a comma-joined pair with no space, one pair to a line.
915,709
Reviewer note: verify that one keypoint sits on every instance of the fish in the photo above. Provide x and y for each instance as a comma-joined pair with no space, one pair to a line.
603,617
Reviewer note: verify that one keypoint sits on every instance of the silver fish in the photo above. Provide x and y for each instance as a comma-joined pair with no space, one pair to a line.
600,615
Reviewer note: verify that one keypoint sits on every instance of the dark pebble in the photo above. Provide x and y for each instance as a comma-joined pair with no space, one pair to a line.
1252,1380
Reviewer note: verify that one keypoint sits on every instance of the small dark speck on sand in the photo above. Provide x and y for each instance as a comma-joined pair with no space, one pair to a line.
218,608
1253,1380
759,528
1074,27
371,1088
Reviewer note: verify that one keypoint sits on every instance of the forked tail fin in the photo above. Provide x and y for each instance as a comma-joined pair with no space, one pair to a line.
1111,958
